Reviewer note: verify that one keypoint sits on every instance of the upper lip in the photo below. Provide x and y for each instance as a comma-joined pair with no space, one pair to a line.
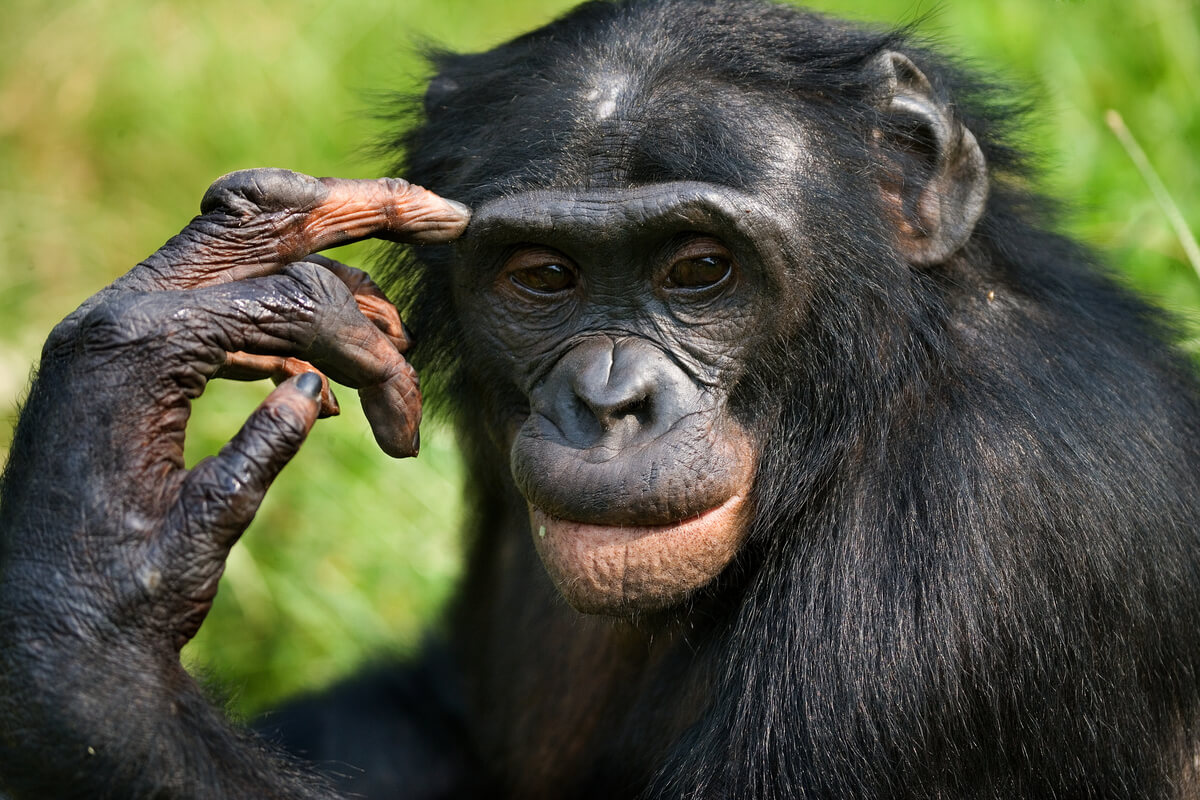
644,485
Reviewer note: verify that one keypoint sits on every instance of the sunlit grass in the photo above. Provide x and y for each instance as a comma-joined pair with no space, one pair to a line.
114,117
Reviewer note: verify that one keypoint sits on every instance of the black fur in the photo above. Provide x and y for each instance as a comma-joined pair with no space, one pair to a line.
974,568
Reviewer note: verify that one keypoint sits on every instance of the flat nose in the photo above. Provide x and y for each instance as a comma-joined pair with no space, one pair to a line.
613,393
613,386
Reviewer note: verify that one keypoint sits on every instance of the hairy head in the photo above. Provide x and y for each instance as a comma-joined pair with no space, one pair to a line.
661,210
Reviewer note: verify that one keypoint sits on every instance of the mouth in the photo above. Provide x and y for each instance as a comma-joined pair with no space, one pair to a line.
715,519
621,569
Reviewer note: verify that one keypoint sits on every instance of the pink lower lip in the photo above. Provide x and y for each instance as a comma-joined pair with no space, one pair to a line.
700,523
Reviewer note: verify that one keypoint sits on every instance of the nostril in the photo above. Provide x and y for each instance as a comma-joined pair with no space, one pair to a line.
611,413
606,394
584,417
638,409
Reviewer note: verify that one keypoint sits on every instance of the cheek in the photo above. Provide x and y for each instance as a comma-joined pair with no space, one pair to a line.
510,342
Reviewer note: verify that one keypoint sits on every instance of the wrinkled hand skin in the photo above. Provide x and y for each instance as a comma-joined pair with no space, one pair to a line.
110,550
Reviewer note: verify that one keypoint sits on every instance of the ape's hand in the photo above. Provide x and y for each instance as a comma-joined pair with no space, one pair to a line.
110,550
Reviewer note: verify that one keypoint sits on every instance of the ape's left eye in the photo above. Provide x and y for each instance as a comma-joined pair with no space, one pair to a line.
696,273
699,264
546,279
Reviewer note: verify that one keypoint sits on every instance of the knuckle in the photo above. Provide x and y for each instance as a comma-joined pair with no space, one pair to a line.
288,424
152,326
250,191
214,481
216,489
124,321
269,439
274,424
396,185
61,336
319,283
355,277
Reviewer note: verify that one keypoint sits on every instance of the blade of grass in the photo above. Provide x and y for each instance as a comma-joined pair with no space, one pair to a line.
1157,188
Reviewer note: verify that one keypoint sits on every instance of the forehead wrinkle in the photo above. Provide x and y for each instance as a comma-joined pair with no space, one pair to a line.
608,155
610,126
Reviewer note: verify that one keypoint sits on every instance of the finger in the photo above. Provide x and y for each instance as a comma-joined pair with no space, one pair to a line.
386,208
371,300
307,312
304,312
393,408
241,366
373,304
219,498
253,222
221,495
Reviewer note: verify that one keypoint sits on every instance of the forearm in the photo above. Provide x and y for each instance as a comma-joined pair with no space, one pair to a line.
92,718
93,699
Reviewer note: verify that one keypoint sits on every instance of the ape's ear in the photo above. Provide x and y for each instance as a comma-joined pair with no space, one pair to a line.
934,176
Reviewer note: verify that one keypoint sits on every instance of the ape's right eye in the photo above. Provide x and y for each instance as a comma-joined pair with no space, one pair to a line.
540,270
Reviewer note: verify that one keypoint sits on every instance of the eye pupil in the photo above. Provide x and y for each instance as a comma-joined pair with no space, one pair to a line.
546,279
695,273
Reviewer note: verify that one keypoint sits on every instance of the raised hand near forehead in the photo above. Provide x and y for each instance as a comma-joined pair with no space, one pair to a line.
236,293
256,223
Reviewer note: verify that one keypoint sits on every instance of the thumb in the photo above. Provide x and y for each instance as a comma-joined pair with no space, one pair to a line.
221,495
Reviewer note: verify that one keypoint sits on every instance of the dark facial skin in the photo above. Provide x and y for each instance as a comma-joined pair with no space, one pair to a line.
622,316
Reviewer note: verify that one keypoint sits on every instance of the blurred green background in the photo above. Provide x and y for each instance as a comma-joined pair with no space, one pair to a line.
116,115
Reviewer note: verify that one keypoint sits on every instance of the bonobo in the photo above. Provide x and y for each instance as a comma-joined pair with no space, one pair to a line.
805,460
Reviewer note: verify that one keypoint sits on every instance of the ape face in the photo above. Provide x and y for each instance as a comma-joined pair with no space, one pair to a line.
624,318
639,240
611,293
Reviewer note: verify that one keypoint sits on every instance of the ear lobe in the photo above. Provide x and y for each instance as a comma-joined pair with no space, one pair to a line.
935,177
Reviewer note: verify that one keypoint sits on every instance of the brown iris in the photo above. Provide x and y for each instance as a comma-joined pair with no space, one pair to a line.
548,279
700,263
540,270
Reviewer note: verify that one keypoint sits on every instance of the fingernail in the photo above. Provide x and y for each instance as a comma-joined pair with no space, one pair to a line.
459,207
310,384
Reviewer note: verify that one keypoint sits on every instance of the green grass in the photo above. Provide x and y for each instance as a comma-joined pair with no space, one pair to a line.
114,117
